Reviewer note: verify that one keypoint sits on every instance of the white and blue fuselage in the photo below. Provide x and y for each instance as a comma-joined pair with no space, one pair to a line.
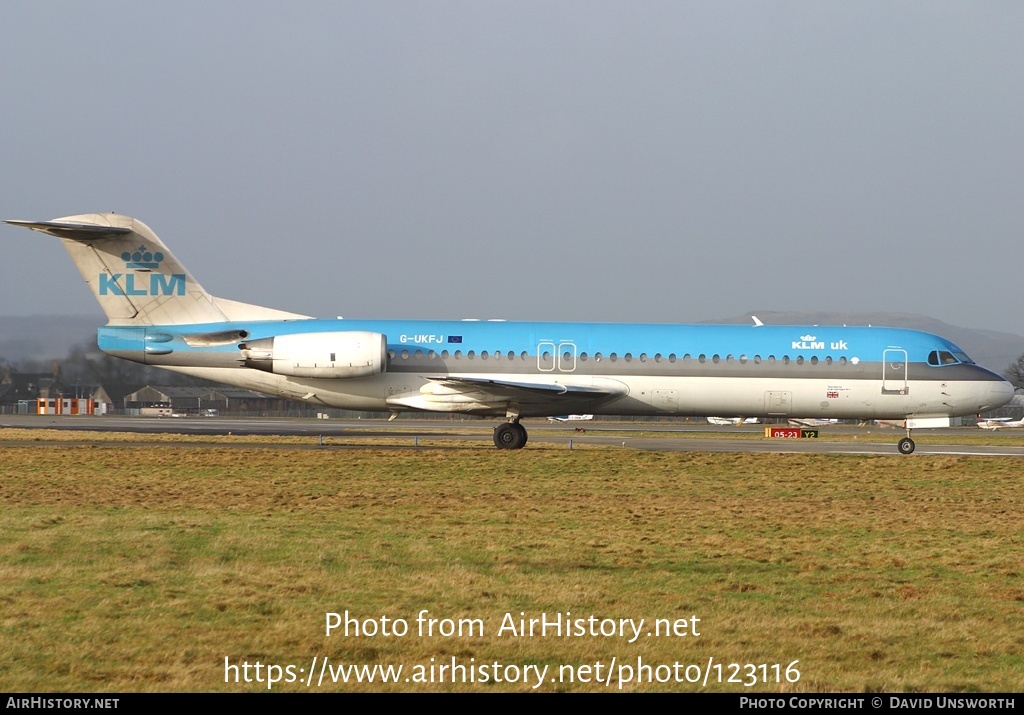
605,368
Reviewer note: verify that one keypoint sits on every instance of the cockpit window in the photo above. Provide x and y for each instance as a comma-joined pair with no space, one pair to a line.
945,357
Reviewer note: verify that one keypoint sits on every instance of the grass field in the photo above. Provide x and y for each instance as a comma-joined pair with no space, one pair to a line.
142,568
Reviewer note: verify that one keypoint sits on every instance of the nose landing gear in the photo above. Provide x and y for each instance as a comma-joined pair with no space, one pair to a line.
906,445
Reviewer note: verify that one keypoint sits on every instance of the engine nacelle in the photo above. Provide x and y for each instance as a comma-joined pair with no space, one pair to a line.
345,354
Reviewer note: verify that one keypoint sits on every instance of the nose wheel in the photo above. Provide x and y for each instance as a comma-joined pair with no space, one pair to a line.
510,435
905,445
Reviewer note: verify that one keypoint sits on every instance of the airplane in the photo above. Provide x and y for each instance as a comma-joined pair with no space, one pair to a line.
569,418
732,420
158,314
994,423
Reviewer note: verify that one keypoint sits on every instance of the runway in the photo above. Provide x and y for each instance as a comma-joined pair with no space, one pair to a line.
421,433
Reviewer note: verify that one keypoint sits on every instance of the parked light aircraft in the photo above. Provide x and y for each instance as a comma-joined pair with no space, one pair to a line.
732,420
999,423
159,315
569,418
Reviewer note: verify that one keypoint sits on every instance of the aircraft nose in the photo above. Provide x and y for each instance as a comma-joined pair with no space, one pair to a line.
1001,393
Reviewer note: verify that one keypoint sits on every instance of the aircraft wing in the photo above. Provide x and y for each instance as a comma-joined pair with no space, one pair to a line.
489,394
506,387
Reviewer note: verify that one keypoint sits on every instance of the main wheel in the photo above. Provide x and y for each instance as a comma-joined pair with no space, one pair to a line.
906,445
509,435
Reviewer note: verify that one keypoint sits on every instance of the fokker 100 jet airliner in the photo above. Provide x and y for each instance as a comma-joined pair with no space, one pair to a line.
159,315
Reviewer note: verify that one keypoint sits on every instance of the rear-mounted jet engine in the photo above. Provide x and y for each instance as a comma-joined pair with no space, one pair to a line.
352,353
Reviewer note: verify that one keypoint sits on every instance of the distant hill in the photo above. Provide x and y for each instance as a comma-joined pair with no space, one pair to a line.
44,337
990,348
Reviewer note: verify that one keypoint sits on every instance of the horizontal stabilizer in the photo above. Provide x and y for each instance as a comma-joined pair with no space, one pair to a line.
74,231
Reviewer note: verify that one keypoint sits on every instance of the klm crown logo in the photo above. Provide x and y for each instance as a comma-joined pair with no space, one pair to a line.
150,282
808,342
141,258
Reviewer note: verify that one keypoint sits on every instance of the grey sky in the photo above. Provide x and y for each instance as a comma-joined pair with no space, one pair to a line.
641,161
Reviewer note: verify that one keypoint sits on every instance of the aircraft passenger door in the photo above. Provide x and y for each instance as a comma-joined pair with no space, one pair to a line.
894,372
566,357
546,352
551,356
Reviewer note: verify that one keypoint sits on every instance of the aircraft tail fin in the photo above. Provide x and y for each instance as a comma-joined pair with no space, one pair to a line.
135,278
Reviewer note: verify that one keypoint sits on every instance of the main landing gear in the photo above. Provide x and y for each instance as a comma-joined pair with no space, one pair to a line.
510,435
